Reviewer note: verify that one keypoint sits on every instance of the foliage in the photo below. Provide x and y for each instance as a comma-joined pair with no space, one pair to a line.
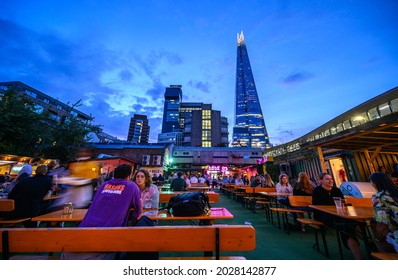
25,131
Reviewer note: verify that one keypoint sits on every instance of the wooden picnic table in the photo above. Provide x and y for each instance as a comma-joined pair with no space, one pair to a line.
78,215
354,214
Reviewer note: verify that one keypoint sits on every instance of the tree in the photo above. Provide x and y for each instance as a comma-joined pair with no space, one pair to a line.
26,131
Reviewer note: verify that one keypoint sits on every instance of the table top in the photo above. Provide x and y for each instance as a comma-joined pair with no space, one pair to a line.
58,216
349,212
78,215
215,213
197,188
275,194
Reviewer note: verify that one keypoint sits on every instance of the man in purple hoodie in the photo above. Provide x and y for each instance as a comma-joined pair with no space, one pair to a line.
111,207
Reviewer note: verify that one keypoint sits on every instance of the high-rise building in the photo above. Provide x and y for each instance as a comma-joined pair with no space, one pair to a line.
172,100
139,129
171,131
249,129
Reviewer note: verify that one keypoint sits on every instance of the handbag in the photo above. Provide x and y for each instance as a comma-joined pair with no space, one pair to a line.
189,204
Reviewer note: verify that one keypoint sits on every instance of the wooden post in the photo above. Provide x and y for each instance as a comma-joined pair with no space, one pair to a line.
370,161
321,158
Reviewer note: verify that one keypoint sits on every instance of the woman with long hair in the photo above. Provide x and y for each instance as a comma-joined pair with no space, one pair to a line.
303,185
283,186
149,191
268,183
385,207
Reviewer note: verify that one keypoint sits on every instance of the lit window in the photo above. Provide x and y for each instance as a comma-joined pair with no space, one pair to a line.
384,109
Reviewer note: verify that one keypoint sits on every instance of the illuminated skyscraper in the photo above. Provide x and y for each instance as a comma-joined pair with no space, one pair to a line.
249,129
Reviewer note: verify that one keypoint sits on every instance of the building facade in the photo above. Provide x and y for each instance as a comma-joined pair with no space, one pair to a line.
249,129
202,126
139,129
57,110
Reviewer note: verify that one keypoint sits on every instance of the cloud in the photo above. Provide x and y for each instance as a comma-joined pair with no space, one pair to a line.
126,75
297,77
90,72
202,86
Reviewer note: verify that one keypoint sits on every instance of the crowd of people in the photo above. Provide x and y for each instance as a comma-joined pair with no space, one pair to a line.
385,207
134,193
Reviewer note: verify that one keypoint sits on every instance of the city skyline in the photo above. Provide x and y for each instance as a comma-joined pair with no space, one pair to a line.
312,60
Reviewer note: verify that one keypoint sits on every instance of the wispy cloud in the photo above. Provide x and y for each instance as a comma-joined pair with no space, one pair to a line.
297,77
199,85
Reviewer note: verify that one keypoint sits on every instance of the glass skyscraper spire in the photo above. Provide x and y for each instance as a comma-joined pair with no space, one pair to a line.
249,129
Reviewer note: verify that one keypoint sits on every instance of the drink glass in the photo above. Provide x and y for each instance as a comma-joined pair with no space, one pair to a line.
337,202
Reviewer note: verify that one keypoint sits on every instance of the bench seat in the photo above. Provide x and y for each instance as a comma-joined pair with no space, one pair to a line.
214,239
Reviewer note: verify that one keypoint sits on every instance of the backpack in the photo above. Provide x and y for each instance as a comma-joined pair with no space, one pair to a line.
189,204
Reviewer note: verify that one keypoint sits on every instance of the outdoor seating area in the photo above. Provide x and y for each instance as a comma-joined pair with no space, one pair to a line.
244,225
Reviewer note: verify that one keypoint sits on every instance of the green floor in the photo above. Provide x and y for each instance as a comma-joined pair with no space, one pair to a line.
272,243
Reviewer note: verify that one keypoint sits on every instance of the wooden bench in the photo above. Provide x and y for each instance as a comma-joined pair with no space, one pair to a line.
8,205
385,256
305,201
216,239
256,199
286,211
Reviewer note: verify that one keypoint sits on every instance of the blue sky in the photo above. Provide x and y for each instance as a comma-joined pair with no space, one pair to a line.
311,60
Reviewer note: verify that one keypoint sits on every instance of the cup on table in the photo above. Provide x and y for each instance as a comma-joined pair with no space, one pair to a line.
337,202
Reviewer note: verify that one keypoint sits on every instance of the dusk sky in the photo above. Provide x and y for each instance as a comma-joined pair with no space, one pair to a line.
312,60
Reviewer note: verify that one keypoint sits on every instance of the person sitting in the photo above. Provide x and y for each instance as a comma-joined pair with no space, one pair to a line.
303,185
28,195
323,195
201,180
28,168
160,178
193,179
178,184
256,182
111,207
268,182
238,180
154,178
385,207
283,186
185,177
149,191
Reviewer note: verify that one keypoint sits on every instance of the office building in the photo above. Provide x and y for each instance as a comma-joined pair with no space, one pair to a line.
249,129
172,100
138,130
202,126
